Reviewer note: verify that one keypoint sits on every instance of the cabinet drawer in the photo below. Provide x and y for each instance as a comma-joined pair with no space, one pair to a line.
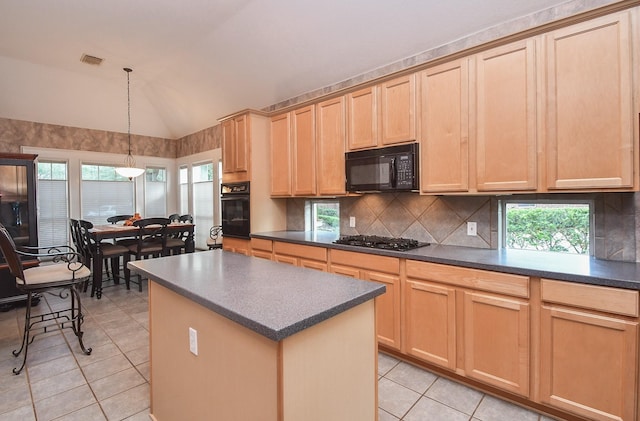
593,297
262,254
261,244
299,250
366,261
502,283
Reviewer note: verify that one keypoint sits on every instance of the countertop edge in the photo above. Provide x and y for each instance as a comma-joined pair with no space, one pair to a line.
612,280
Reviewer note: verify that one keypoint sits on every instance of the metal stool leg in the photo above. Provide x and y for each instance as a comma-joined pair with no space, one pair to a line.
26,340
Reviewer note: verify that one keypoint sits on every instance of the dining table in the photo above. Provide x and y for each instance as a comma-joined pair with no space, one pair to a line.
100,233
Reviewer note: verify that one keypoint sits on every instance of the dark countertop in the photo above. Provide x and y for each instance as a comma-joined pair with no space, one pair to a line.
565,267
270,298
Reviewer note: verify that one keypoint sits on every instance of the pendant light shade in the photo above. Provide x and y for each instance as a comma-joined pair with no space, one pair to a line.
129,170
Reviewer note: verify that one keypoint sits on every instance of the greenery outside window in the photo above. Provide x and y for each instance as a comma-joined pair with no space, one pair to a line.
323,216
553,226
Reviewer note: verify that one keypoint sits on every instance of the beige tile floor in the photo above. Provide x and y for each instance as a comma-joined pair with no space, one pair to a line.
61,383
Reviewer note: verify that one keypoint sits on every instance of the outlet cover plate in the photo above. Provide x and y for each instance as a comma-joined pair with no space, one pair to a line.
472,229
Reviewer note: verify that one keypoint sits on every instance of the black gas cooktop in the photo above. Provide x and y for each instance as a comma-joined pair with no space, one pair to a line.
378,242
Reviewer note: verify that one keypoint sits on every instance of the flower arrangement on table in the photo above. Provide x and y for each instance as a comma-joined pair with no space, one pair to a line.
133,219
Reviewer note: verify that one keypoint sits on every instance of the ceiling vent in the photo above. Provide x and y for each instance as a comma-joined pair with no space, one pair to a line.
95,61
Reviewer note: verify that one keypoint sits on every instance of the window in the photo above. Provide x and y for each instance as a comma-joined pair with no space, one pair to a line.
155,192
104,193
322,216
203,190
184,190
563,227
53,203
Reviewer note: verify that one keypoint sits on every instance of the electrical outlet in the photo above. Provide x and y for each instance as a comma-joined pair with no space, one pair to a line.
352,221
472,228
193,341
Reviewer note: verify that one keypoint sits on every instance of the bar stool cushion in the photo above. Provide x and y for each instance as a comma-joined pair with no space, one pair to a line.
50,274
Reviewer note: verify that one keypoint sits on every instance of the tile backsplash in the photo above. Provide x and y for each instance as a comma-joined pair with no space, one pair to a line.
443,219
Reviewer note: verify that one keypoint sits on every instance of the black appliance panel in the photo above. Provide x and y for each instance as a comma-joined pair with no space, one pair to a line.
236,210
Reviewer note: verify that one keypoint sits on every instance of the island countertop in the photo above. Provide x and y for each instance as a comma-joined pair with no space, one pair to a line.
564,267
272,299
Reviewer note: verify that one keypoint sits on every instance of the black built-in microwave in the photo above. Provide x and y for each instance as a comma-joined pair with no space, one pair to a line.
394,168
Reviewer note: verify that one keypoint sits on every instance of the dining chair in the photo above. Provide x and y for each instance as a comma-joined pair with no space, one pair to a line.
174,217
215,234
118,218
177,240
106,252
151,241
63,271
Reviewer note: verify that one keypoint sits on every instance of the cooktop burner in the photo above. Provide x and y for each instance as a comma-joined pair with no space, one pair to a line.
386,243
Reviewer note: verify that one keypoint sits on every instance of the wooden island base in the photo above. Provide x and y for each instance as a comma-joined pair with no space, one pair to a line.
325,372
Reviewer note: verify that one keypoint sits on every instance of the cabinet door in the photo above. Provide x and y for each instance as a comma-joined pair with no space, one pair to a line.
362,122
430,323
228,141
588,363
506,118
444,127
241,155
387,309
330,146
281,155
235,148
589,105
398,110
496,341
304,151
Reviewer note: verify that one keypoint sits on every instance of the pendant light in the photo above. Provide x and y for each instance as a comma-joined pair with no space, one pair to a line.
129,170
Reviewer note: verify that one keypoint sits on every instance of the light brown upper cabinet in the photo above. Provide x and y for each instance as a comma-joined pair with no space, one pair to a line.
444,127
293,162
505,116
397,122
236,149
362,119
303,129
330,146
280,135
589,118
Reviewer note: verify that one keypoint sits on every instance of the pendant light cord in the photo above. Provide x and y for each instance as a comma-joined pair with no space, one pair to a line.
128,70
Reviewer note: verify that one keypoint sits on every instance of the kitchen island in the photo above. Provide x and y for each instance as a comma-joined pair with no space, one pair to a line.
239,338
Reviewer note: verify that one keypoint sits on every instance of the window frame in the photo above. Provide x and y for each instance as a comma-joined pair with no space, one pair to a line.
502,219
310,214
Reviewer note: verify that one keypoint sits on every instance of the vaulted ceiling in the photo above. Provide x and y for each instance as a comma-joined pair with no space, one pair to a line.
198,60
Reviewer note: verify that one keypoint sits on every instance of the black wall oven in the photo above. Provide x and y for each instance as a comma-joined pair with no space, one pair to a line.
236,220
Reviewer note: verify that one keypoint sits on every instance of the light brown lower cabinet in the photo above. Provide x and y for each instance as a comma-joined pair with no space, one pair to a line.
262,248
568,346
453,318
496,341
236,245
430,322
589,350
381,269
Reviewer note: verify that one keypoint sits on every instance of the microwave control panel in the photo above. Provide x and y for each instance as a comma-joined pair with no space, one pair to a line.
404,171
